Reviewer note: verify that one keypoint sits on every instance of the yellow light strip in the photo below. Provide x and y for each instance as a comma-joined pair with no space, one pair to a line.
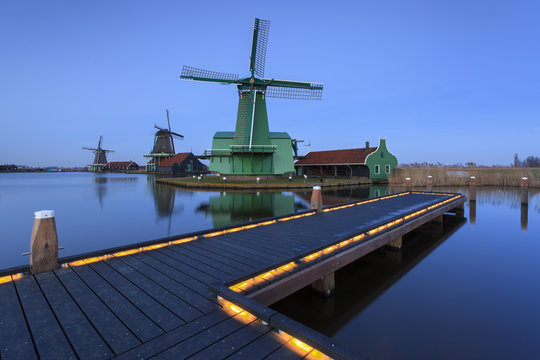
365,202
12,277
258,279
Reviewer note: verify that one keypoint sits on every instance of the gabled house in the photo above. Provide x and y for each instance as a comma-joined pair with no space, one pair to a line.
182,163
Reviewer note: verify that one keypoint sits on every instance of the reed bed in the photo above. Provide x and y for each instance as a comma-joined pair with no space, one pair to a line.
461,176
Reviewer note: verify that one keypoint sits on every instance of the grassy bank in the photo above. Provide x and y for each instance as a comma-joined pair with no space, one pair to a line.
218,183
460,176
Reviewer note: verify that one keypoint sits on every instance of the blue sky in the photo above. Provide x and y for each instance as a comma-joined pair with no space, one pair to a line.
449,81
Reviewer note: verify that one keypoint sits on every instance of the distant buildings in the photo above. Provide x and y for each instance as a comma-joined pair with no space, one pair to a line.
8,168
121,166
182,163
375,163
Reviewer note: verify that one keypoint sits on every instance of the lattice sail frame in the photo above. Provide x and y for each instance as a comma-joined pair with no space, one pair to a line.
261,29
282,92
192,73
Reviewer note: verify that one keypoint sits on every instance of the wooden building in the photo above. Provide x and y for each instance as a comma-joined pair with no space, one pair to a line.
121,166
375,163
182,163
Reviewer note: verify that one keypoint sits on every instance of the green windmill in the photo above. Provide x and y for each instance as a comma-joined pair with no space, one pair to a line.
252,148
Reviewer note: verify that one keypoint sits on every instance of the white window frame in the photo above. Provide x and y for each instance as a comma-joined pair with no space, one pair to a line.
377,169
387,169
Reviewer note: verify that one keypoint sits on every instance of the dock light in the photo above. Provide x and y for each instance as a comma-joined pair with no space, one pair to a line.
290,178
258,180
224,178
194,176
199,178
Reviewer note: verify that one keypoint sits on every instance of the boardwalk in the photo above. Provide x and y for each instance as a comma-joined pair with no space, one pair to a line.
159,300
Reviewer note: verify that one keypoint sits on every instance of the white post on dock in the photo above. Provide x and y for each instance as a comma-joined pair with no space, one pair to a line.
408,184
524,190
429,185
43,243
316,198
472,188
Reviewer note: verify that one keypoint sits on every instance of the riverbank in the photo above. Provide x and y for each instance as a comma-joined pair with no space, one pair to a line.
215,182
460,176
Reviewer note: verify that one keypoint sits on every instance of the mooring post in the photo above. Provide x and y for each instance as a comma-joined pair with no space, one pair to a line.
429,185
316,198
325,285
396,244
407,184
524,190
43,243
472,188
524,216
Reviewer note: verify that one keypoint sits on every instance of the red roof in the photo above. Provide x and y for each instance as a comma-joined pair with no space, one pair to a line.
336,157
178,158
119,164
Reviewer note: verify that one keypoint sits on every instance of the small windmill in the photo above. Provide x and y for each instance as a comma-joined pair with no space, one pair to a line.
163,145
100,156
294,143
252,149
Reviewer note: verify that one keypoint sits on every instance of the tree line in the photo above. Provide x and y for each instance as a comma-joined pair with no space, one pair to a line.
531,161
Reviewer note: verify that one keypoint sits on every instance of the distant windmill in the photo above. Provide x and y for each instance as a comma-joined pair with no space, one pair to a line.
308,145
100,158
163,145
252,149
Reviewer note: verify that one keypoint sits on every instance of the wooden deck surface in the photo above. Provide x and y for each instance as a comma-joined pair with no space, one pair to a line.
159,303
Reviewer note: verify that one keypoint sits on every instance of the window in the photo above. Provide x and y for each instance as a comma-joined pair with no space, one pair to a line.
387,169
377,169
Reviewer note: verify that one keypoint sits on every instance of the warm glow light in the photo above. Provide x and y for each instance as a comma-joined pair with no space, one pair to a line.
5,279
301,345
126,252
88,260
185,240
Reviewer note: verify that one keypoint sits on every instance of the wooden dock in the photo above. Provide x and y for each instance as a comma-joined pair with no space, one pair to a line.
202,295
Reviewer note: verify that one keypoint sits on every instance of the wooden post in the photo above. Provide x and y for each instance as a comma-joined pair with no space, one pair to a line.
524,191
316,198
472,212
407,184
396,244
429,185
472,188
460,211
43,243
325,285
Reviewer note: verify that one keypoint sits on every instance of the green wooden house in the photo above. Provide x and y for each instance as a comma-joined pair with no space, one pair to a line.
375,163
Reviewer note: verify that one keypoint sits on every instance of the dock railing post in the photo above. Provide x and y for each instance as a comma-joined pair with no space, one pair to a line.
316,198
429,185
524,190
472,188
408,184
43,243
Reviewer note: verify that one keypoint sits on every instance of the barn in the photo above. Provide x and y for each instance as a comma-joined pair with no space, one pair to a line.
182,163
121,166
375,163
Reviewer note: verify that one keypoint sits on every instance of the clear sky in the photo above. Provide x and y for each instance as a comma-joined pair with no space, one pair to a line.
449,81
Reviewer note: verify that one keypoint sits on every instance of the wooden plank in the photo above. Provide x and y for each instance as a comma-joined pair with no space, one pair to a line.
260,348
181,291
160,315
135,320
15,339
235,255
202,340
173,303
112,330
173,273
236,340
217,261
231,244
81,334
286,352
49,338
172,338
193,267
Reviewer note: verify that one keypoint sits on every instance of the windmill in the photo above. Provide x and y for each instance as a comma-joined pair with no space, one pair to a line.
252,148
100,158
163,145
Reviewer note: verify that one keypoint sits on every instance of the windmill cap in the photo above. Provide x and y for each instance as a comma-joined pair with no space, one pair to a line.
44,214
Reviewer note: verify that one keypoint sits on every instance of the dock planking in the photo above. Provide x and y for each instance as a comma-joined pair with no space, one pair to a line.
161,303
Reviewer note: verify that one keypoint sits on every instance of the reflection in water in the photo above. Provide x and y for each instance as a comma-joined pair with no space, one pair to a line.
472,212
101,189
164,200
233,208
524,216
362,282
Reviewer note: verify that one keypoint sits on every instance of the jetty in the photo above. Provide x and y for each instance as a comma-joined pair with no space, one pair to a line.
204,295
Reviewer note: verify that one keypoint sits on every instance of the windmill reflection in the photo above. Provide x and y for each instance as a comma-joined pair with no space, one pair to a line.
101,189
164,200
233,208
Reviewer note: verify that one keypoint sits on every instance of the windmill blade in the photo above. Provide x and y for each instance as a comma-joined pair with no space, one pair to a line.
300,90
89,148
176,134
259,42
99,143
159,128
191,73
168,121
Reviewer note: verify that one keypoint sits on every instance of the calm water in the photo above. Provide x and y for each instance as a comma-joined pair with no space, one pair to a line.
468,290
